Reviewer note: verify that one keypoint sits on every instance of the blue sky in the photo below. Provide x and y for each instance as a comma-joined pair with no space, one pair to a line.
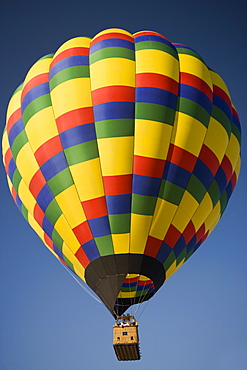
198,318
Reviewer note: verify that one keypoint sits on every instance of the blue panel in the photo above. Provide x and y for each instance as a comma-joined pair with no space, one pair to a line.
58,251
16,129
164,252
78,135
44,197
197,96
179,246
36,92
156,38
99,226
229,189
191,244
221,179
156,96
176,175
47,227
11,169
145,185
221,104
72,61
114,110
129,285
91,250
18,202
111,43
54,165
203,173
118,204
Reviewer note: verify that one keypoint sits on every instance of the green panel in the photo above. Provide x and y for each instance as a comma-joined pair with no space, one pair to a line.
143,204
214,192
155,112
169,261
120,224
189,254
156,46
196,188
35,106
222,118
81,152
182,50
53,212
115,128
194,110
24,211
69,74
60,182
181,256
18,143
128,289
112,52
104,245
16,180
48,56
70,265
56,238
223,201
141,292
171,192
236,132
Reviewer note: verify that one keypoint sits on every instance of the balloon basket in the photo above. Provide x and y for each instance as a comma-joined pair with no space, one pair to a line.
126,339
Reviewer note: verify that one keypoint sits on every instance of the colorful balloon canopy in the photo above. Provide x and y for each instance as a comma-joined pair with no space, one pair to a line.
122,152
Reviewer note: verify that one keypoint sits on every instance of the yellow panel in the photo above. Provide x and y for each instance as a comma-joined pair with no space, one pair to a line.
77,42
216,138
117,71
113,30
121,243
5,145
64,230
41,127
41,66
213,216
181,220
127,294
89,171
237,168
212,226
70,204
80,271
233,150
26,197
14,104
140,225
202,211
163,215
71,94
190,134
194,66
116,155
156,61
217,80
152,139
36,227
188,204
26,163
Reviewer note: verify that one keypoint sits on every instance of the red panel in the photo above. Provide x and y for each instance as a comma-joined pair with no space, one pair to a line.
198,83
209,158
113,94
7,158
82,257
112,35
13,119
115,185
48,241
95,208
158,81
69,53
200,233
181,158
221,93
131,280
189,232
37,80
37,183
172,236
83,232
227,168
13,193
77,117
146,166
48,150
153,246
38,214
142,33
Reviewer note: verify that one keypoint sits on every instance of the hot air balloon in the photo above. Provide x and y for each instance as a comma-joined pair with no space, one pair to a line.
122,152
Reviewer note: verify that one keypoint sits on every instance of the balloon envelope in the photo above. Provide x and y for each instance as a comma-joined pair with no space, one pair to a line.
122,152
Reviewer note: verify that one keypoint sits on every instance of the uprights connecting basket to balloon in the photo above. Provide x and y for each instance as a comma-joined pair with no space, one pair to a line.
122,152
